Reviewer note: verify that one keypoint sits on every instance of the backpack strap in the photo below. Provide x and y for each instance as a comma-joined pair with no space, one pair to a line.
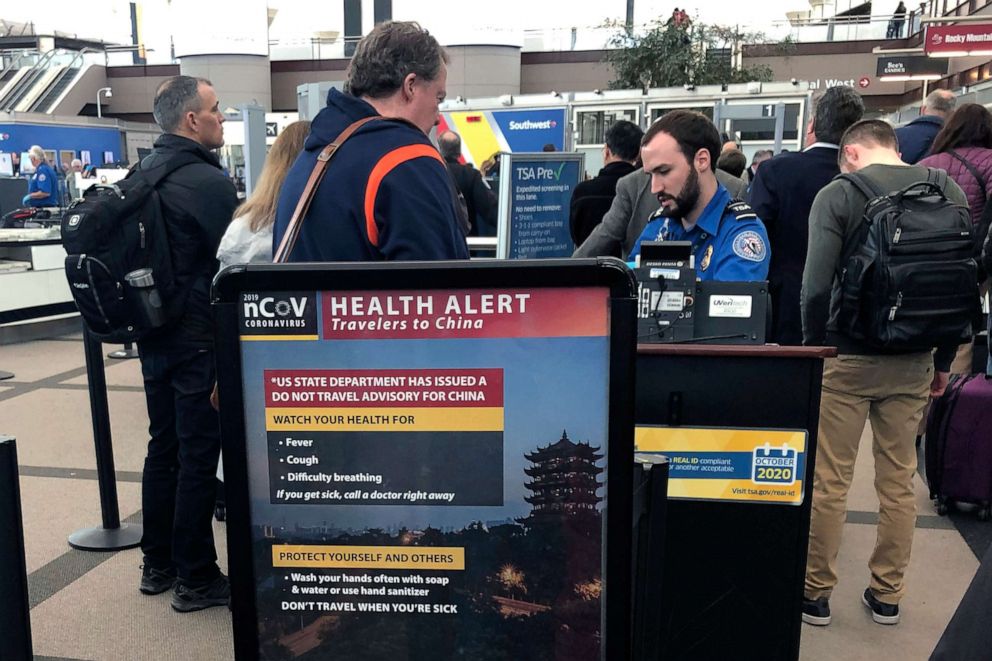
863,184
938,178
973,170
306,198
157,175
871,191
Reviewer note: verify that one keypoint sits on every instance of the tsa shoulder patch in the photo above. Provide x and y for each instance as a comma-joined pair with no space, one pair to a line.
749,245
41,176
741,210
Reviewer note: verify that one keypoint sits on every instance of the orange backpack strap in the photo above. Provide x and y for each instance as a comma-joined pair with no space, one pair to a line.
296,222
385,165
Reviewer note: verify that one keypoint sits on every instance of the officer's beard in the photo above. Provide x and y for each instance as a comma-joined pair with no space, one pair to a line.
686,200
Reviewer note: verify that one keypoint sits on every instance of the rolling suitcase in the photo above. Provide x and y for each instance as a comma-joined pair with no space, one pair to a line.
959,445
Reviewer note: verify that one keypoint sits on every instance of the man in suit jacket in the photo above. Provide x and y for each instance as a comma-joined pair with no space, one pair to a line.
782,195
592,199
628,215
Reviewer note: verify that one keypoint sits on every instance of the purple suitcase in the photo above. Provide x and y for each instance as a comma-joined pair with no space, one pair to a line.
959,445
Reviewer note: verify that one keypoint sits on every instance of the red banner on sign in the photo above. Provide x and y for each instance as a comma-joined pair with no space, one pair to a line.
477,387
958,39
464,313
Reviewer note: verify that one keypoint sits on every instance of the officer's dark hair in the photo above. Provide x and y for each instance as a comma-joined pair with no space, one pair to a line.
623,138
692,130
388,54
449,144
836,109
868,132
175,97
732,162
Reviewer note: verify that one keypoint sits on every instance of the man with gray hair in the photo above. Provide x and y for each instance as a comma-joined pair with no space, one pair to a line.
75,167
782,194
386,194
43,188
916,137
178,486
480,201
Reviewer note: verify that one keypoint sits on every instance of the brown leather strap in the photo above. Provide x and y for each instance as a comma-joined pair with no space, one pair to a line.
296,222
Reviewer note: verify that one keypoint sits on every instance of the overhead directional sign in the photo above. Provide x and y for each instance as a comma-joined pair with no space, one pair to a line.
959,40
911,67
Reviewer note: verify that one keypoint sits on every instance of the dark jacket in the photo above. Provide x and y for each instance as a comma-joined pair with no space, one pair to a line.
916,137
480,200
592,199
781,195
386,194
197,204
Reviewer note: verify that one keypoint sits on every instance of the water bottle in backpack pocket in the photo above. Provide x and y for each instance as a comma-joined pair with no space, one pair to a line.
118,262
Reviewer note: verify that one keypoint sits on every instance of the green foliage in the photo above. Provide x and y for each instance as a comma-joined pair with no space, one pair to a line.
670,56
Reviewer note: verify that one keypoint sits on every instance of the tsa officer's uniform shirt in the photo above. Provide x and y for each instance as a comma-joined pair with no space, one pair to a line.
728,240
43,180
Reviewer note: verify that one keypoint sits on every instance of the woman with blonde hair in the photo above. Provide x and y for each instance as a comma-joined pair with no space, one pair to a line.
249,236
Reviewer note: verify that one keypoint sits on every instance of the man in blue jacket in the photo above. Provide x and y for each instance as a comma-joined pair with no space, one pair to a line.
386,194
729,242
916,137
43,188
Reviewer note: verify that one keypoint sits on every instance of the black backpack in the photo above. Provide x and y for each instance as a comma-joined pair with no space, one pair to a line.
908,280
114,230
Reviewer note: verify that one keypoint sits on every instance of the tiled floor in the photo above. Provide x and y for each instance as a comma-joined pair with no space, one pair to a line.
86,605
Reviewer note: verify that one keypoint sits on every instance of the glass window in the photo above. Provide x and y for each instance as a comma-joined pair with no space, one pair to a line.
764,128
592,124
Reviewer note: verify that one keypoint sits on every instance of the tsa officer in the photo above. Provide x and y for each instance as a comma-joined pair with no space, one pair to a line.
729,242
43,187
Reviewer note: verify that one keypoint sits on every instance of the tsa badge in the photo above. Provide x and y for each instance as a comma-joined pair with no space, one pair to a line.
705,263
749,245
777,465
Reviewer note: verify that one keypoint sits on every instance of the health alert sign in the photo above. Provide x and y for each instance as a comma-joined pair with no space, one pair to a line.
748,465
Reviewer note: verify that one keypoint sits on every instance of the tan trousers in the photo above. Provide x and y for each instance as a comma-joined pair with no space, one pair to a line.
891,392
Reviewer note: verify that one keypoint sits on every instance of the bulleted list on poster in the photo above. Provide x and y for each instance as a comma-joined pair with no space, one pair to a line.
385,437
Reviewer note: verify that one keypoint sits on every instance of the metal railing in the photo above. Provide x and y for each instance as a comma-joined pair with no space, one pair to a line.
849,28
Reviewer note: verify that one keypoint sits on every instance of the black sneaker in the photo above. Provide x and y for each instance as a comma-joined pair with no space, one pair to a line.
816,611
881,613
189,598
156,581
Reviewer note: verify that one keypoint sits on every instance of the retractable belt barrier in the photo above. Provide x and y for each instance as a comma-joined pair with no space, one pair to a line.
112,535
15,643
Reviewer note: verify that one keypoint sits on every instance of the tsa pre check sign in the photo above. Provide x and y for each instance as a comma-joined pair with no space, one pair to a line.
750,465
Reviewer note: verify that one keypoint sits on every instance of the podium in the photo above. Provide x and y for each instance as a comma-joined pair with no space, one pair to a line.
733,572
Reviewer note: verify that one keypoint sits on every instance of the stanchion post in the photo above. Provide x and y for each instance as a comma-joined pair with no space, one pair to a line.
15,610
112,536
650,506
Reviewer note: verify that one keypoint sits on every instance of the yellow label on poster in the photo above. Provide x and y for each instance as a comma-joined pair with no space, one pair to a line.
435,558
750,465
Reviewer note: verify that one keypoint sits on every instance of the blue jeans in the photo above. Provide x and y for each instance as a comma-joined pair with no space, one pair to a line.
178,487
